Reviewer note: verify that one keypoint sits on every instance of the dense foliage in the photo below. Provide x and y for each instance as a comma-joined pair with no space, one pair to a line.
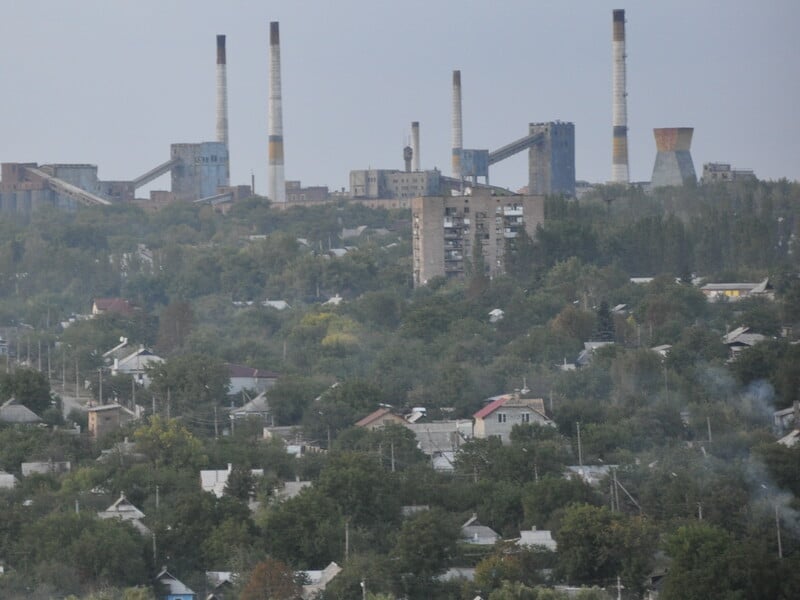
699,486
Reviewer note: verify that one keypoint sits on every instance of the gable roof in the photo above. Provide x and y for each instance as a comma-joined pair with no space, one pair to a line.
378,414
114,305
172,583
535,404
121,509
13,412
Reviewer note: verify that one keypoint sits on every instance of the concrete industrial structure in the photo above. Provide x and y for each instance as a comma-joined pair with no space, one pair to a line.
445,229
275,173
551,158
619,120
458,136
673,166
393,183
222,92
722,172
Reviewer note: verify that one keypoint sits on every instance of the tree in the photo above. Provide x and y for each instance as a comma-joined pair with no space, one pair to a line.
425,545
241,484
174,326
596,545
167,442
271,579
193,383
28,386
605,323
706,564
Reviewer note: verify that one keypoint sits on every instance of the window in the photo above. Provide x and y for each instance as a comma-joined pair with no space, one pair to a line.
501,417
526,417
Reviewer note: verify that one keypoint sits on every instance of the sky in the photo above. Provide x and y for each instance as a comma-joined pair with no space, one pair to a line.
114,82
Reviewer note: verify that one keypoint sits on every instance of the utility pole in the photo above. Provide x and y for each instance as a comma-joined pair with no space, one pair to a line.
100,376
708,424
347,538
580,452
77,380
392,456
216,426
699,511
778,531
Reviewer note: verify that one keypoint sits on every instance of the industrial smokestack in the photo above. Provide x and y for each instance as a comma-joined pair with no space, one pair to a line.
222,92
407,154
458,141
619,121
277,184
415,145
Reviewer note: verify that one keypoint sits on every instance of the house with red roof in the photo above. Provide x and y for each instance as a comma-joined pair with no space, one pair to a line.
501,413
380,418
120,306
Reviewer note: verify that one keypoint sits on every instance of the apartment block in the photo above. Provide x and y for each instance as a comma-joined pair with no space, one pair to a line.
445,229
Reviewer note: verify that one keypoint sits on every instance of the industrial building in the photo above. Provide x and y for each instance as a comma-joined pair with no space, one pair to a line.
445,229
551,158
673,166
722,172
391,184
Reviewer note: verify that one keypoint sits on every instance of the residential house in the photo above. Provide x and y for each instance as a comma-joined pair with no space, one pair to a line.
135,363
49,467
589,348
124,510
257,408
318,580
121,306
740,339
731,292
500,415
472,532
219,584
537,537
290,489
276,304
248,378
214,481
440,440
15,413
591,474
791,439
7,481
107,418
380,418
121,452
170,588
786,418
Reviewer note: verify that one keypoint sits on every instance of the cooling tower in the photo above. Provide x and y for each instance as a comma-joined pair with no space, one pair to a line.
619,119
277,184
674,164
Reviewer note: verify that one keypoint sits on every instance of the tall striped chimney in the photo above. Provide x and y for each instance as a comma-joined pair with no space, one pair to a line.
458,141
619,121
277,184
222,92
415,145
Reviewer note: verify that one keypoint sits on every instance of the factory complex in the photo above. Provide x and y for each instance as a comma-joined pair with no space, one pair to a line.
200,171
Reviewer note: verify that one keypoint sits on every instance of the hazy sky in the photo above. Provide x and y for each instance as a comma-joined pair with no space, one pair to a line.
114,82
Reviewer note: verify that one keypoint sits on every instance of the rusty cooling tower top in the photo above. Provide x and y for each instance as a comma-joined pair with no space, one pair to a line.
274,35
671,139
220,49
